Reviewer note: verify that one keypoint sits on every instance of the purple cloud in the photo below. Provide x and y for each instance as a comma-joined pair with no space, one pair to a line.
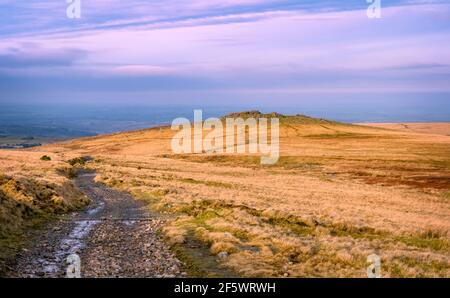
279,50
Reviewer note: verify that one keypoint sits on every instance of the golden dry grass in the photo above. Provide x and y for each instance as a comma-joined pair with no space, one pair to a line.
31,191
338,194
439,128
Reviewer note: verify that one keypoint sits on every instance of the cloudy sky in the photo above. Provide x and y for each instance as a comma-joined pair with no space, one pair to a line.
222,51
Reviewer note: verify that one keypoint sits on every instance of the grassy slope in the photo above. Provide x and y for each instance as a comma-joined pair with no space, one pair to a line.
339,193
31,192
438,128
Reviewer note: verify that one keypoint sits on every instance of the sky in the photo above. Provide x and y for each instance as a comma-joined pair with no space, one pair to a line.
272,52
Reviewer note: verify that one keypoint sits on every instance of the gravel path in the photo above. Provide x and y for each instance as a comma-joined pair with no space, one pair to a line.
115,237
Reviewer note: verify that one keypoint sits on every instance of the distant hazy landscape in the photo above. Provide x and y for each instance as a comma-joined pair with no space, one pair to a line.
43,123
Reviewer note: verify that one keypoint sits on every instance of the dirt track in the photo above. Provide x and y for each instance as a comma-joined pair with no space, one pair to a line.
115,237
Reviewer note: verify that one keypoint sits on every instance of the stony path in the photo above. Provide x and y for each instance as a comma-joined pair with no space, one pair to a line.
115,237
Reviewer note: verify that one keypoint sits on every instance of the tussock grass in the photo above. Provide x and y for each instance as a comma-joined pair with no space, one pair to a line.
34,191
27,203
68,172
207,183
446,195
81,161
274,242
338,135
219,226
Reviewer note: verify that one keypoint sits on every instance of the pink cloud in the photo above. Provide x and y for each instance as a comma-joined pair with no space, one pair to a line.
270,43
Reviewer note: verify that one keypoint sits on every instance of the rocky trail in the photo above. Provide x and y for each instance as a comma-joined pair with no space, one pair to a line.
114,237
